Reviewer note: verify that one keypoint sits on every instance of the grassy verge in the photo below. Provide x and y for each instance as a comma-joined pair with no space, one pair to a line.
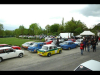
15,41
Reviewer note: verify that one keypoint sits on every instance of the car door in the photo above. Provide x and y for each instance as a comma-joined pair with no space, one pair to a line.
51,50
72,45
55,49
3,54
11,53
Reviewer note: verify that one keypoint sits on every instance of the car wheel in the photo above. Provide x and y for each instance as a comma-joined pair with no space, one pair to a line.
20,55
0,59
60,52
69,48
49,54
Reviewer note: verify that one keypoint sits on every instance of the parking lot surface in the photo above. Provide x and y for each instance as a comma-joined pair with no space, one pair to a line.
68,60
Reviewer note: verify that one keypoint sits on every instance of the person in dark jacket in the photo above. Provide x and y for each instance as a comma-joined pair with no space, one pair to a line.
88,45
84,42
97,40
58,42
94,45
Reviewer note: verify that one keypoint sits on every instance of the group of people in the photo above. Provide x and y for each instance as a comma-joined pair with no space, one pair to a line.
89,42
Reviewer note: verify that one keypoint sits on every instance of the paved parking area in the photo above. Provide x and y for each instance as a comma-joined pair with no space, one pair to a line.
67,60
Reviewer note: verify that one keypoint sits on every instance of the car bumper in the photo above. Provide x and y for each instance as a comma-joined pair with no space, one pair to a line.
42,54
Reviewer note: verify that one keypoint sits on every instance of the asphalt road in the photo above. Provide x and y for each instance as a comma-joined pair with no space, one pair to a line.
68,60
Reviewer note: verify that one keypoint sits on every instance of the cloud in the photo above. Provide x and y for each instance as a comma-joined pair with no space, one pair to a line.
91,10
12,16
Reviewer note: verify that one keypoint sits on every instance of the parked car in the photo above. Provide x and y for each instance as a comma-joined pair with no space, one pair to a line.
27,44
48,50
36,46
9,52
14,47
90,65
68,45
78,41
72,40
48,42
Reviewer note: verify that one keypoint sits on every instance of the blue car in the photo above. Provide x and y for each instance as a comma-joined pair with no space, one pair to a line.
36,46
68,45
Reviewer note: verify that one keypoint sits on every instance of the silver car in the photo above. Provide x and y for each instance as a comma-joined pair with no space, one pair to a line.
91,65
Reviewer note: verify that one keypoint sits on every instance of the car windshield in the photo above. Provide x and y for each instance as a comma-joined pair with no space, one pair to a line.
65,43
34,45
44,48
82,68
26,43
77,40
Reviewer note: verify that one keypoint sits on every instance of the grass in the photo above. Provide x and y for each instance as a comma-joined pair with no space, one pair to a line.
15,41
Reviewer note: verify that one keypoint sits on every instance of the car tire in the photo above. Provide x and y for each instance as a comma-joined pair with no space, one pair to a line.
1,59
59,51
69,48
49,54
20,55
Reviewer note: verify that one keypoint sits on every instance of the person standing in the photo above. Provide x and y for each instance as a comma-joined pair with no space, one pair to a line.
94,45
84,42
58,42
81,48
97,40
88,45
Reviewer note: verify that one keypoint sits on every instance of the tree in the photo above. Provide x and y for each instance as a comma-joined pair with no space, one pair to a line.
47,27
17,32
1,29
21,29
54,28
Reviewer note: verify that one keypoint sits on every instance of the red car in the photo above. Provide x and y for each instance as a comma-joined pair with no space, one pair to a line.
14,47
48,42
72,40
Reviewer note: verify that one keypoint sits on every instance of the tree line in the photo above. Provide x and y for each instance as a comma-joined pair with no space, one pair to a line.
71,26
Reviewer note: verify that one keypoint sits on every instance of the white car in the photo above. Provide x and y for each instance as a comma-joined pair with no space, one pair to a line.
9,52
27,44
78,41
91,65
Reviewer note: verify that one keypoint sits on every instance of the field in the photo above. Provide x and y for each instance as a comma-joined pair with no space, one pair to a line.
15,41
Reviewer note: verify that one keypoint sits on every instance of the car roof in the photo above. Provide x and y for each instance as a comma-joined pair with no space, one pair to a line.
39,42
5,48
92,64
68,41
49,45
3,44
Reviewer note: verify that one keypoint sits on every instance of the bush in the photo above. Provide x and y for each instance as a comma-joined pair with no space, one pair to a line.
43,40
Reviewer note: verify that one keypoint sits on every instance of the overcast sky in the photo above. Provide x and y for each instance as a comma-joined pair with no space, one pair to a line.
14,15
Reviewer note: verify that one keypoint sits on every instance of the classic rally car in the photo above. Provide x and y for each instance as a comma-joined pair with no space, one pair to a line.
14,47
36,46
48,50
27,44
90,65
68,45
9,52
48,42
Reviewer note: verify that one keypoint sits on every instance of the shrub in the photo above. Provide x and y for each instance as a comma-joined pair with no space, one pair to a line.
43,40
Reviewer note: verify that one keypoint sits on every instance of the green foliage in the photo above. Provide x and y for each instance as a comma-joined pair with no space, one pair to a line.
43,40
54,28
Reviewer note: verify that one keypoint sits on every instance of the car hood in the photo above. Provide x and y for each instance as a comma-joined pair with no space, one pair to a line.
32,47
24,45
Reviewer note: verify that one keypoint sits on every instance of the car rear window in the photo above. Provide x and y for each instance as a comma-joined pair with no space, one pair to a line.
83,68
